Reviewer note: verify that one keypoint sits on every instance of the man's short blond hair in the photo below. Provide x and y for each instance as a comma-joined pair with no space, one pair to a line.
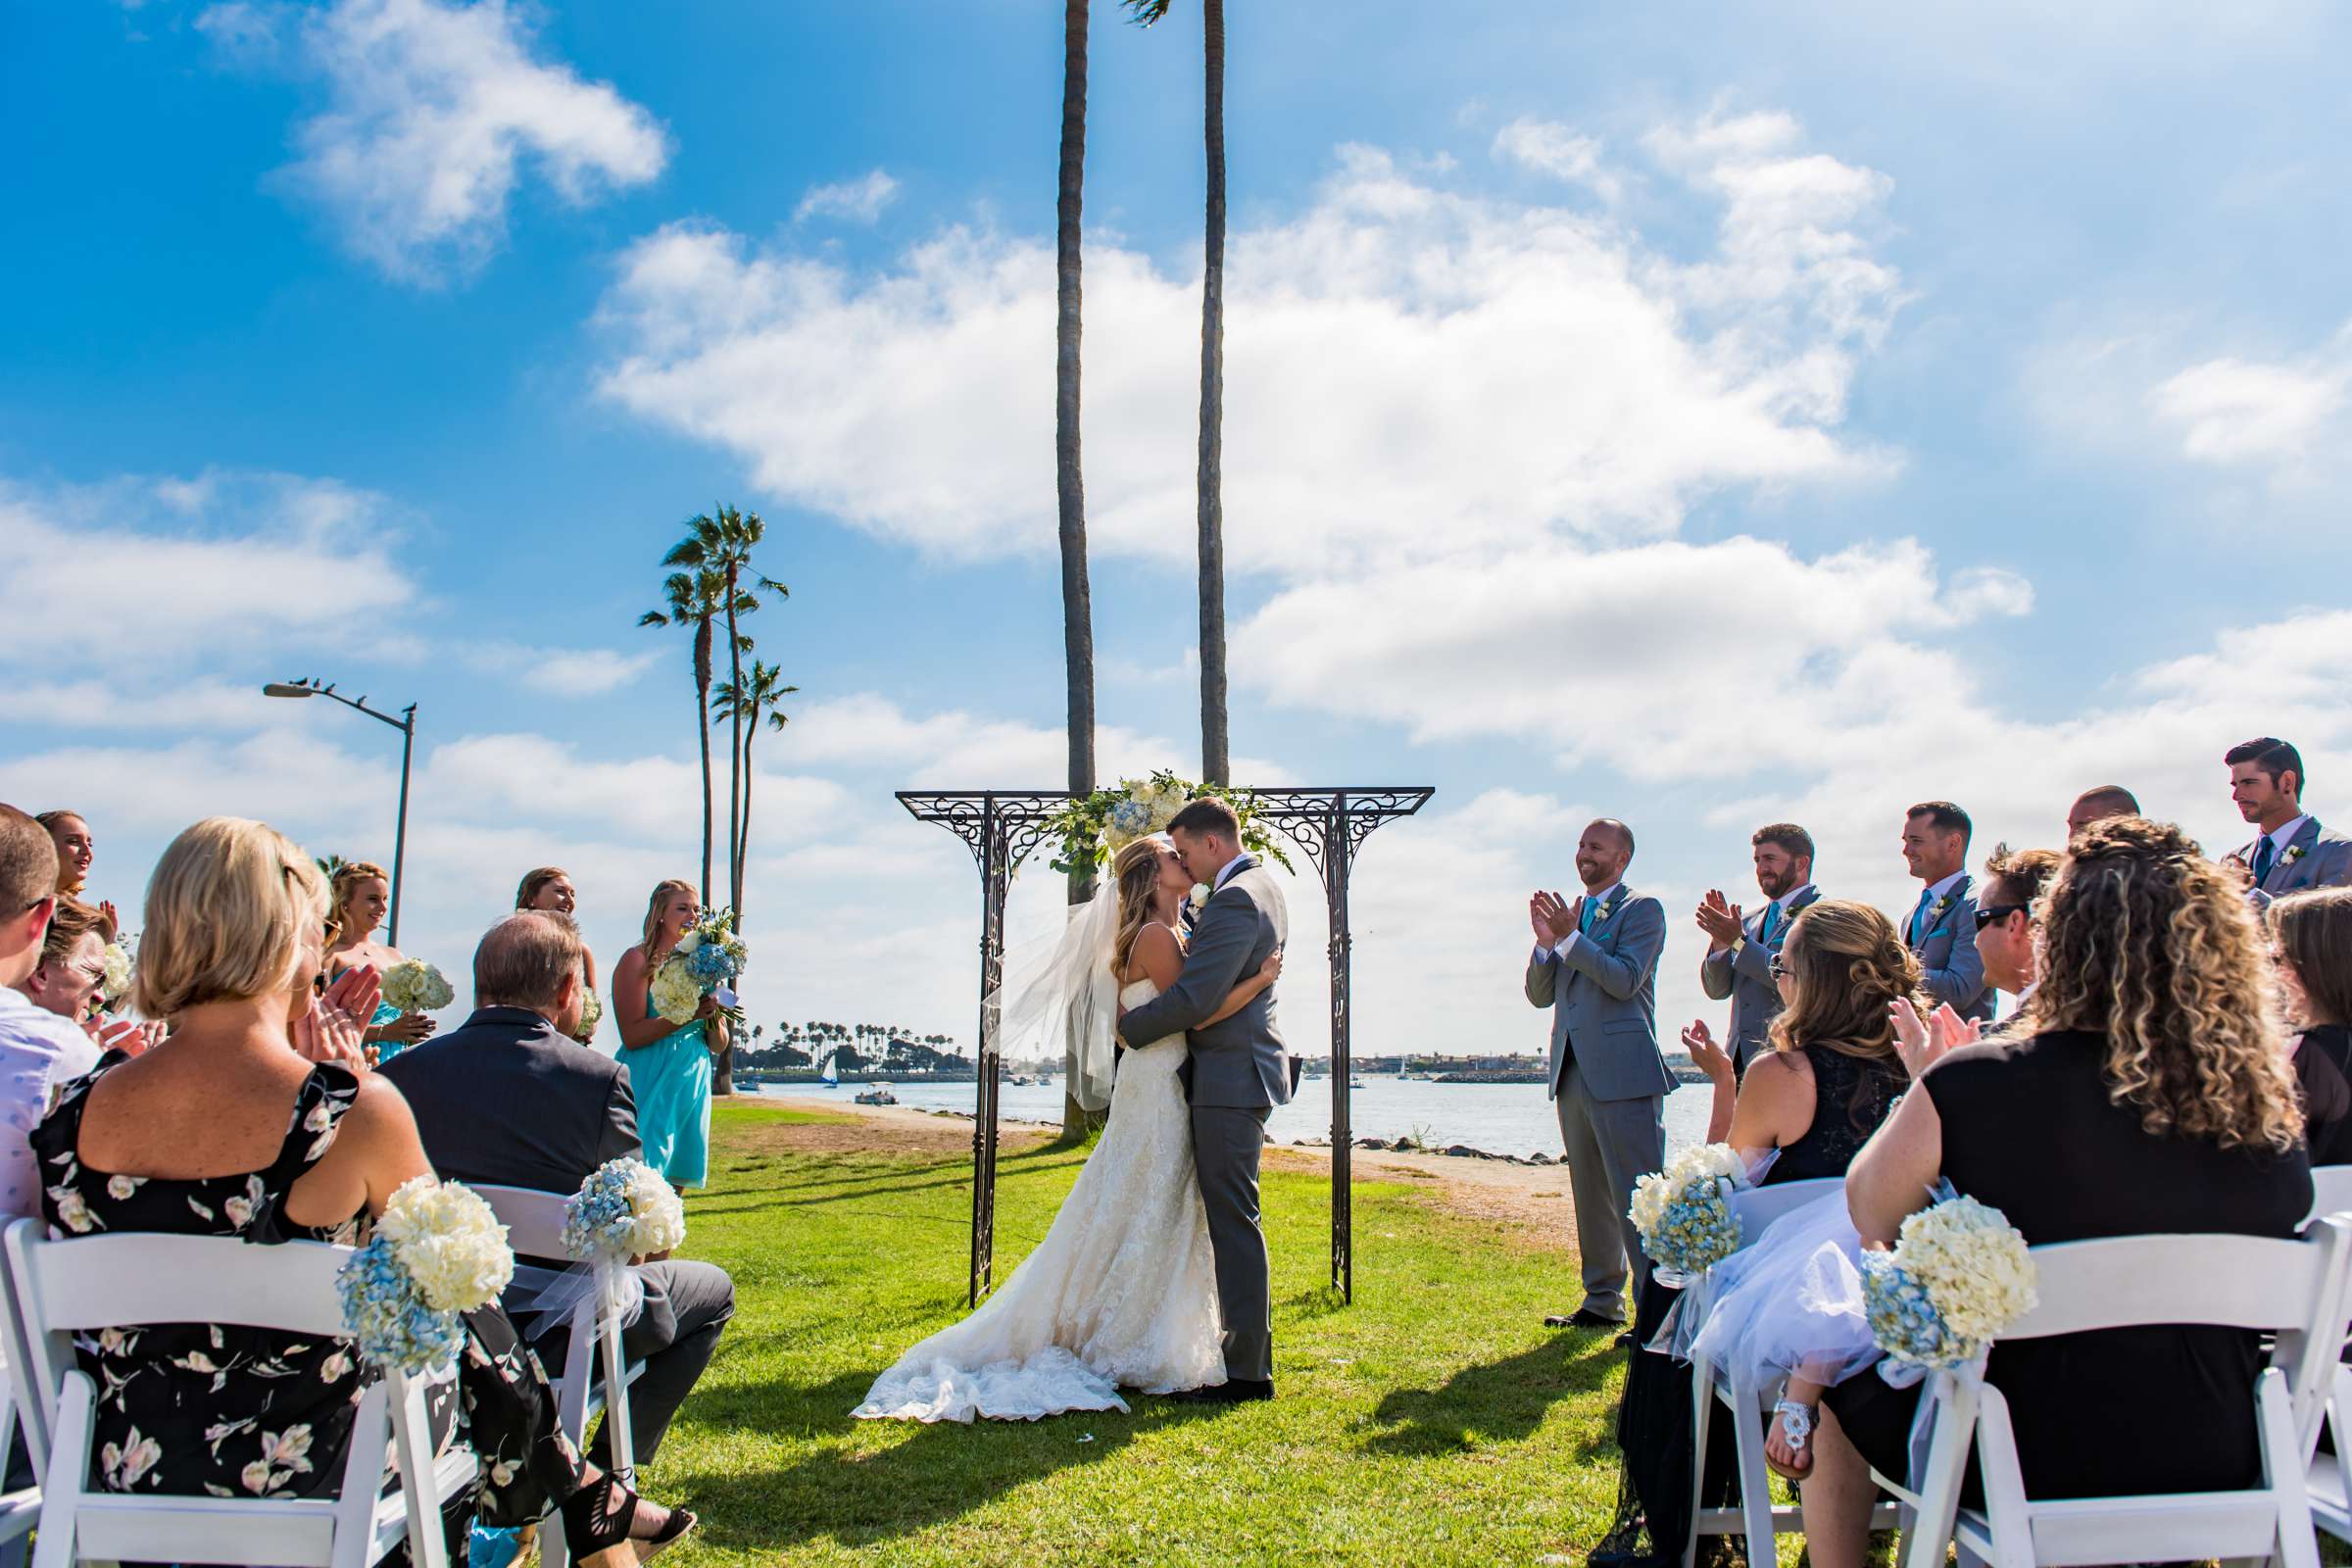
233,910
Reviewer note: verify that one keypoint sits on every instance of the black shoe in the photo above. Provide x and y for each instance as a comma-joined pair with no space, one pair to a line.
1583,1317
1233,1391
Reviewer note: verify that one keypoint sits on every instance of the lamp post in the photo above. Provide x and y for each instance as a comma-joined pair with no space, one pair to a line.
406,723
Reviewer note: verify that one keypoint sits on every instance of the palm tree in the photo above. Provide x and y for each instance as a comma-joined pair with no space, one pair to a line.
723,544
695,599
762,694
1215,762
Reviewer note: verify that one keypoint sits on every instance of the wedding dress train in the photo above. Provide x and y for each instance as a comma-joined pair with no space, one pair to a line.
1122,1293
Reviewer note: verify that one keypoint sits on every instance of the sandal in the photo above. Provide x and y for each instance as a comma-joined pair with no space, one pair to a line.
1797,1427
602,1528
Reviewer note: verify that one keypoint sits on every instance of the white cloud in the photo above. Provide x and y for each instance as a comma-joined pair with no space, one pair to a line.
853,201
2235,412
433,109
566,671
1412,369
1550,148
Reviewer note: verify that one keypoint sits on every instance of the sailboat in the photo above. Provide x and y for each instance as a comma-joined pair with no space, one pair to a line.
829,1078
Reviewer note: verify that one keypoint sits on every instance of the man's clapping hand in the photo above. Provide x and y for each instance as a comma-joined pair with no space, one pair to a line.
1554,919
1718,918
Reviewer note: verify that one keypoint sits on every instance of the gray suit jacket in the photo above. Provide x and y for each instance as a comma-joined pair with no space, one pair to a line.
1603,993
1745,976
1239,1062
2325,860
1952,970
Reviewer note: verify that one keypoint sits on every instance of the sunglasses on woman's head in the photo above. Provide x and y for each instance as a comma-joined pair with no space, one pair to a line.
1780,967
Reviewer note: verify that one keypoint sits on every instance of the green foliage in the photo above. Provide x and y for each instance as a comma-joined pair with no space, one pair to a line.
1435,1422
1096,827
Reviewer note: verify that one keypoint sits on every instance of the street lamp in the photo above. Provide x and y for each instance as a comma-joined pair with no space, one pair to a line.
406,723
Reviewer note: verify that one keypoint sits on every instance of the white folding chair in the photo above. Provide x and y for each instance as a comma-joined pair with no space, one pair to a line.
2329,1479
535,1222
2293,1290
20,1416
2331,1190
1756,1516
98,1282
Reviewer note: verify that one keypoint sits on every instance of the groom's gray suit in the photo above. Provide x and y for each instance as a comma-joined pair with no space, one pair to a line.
1237,1073
1608,1081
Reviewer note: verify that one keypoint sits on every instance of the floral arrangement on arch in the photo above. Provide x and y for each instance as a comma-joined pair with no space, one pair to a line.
1094,827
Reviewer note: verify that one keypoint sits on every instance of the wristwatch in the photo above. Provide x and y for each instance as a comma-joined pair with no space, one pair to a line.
1738,943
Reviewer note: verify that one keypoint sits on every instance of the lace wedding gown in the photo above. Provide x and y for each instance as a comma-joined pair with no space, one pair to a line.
1122,1293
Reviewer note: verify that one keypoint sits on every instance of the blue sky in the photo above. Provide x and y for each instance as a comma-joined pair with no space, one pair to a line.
1701,416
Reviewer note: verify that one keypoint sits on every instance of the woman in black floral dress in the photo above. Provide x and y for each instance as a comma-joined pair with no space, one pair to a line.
258,1121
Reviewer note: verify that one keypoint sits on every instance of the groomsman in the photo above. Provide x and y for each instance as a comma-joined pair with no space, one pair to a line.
2099,804
1596,965
1741,949
1943,926
2266,780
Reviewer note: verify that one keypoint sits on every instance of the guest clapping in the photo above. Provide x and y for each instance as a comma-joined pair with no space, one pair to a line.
669,1063
2312,933
248,1124
550,888
2144,1090
362,893
1596,965
1942,928
465,1087
2268,784
2005,930
1740,947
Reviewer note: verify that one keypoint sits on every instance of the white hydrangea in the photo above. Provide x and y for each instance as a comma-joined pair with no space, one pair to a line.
1654,1192
592,1013
660,1213
449,1241
116,983
677,995
416,986
1973,1264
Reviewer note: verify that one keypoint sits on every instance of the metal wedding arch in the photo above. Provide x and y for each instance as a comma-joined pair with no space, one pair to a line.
1001,828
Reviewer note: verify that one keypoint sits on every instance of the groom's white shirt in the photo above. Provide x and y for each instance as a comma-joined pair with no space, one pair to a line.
1231,867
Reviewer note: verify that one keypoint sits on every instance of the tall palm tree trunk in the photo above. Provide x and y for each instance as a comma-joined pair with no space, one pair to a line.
1215,761
1077,599
736,755
702,710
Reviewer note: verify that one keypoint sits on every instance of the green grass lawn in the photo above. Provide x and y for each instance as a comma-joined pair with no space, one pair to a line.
1435,1421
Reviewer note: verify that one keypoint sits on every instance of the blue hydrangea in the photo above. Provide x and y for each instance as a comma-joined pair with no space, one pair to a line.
1131,817
385,1313
711,965
598,1220
1905,1321
1696,1231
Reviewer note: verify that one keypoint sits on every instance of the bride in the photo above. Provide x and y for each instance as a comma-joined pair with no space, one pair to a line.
1122,1293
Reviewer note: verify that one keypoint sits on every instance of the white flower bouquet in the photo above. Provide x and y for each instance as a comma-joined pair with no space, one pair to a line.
1959,1275
416,986
623,1211
592,1013
1684,1212
706,963
437,1251
121,964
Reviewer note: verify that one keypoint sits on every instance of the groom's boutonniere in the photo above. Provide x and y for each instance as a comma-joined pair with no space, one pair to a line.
1941,905
2297,853
1199,897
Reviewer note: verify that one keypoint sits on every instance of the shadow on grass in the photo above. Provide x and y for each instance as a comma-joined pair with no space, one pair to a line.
1319,1302
1500,1402
929,1476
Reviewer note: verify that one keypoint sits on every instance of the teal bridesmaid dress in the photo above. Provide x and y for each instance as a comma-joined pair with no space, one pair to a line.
386,1049
671,1080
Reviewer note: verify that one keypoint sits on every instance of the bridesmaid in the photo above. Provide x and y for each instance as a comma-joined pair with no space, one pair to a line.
75,850
550,888
362,893
670,1064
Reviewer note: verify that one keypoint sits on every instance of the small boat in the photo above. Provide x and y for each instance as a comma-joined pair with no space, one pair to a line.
828,1079
1355,1083
877,1094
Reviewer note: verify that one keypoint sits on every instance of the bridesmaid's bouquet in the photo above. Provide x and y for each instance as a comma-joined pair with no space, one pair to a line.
705,964
437,1251
1958,1276
623,1211
121,964
592,1013
416,986
1684,1212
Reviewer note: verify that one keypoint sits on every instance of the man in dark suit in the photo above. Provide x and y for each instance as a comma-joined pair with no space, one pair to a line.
508,1100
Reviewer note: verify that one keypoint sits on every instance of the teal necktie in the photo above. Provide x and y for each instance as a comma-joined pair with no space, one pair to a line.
2265,856
1764,930
1919,916
1584,922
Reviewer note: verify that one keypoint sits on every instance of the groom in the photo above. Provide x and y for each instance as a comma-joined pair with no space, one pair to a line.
1235,1075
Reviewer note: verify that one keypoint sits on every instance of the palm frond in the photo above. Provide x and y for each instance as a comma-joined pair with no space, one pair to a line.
1143,13
653,617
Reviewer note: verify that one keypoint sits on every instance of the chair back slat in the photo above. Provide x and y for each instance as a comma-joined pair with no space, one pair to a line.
100,1282
2331,1189
2247,1282
1759,1207
534,1219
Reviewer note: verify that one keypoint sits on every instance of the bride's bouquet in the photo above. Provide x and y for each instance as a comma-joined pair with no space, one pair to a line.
416,986
1958,1276
623,1211
1684,1212
706,963
437,1251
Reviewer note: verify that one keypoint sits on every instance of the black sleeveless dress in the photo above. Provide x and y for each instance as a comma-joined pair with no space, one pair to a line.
1851,1096
223,1410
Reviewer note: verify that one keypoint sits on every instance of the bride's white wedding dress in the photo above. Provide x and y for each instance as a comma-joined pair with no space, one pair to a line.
1122,1293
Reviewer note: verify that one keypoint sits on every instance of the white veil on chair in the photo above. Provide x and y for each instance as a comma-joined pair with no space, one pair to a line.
1058,998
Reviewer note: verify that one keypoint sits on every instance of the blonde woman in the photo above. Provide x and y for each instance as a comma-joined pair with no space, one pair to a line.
248,1122
76,852
1122,1293
669,1063
2144,1088
359,895
548,888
